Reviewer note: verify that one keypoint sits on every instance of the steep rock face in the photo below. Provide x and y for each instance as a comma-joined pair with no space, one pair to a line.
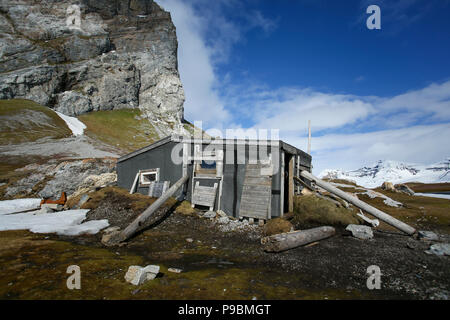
123,55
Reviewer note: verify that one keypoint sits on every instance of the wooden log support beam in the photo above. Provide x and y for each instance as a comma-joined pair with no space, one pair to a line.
290,240
360,204
140,220
135,182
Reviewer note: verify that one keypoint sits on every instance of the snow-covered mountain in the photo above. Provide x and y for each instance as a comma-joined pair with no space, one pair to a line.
393,171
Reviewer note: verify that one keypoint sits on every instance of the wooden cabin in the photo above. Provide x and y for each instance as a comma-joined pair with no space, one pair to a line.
244,178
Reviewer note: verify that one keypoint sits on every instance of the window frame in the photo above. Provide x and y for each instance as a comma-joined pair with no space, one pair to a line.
143,173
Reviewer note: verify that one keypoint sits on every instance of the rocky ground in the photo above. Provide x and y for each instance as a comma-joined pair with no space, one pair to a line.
74,147
50,178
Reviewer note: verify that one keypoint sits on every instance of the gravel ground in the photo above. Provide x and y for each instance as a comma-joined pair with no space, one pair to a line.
75,147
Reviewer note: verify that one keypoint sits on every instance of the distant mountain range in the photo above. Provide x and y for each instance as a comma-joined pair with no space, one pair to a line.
393,171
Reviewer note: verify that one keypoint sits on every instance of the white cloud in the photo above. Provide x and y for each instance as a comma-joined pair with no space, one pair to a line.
417,144
432,101
351,131
205,38
290,110
196,64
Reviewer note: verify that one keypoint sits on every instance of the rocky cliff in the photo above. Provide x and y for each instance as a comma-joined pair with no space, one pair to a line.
91,55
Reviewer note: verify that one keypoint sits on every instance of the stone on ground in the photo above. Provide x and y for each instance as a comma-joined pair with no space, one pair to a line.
223,220
439,249
404,189
428,236
222,214
111,238
84,198
210,214
360,232
137,275
111,229
388,186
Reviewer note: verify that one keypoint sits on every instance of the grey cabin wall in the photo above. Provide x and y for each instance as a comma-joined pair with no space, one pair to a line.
233,179
159,157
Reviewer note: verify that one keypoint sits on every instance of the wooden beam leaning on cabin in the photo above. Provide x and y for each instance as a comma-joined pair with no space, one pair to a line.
133,187
360,204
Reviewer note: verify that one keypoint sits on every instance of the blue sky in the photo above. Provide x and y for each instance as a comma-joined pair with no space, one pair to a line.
370,94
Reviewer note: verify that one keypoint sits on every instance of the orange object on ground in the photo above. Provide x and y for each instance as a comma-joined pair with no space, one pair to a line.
62,200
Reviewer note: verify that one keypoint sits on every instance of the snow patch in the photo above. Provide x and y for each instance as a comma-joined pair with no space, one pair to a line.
73,123
343,185
62,223
387,201
19,205
434,195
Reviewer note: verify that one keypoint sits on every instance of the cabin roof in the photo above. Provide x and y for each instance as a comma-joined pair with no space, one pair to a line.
183,139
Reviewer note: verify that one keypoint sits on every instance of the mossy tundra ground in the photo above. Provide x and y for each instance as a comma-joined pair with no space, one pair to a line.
219,265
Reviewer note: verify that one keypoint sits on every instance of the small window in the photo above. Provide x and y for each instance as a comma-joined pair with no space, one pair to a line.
208,164
149,176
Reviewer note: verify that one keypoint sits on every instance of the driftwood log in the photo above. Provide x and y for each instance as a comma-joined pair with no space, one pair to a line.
290,240
360,204
120,236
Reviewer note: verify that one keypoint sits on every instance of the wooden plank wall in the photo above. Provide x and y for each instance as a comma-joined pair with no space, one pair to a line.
204,196
256,193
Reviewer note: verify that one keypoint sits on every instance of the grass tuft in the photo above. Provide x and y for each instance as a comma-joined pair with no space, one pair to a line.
312,211
24,121
185,208
122,129
276,226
